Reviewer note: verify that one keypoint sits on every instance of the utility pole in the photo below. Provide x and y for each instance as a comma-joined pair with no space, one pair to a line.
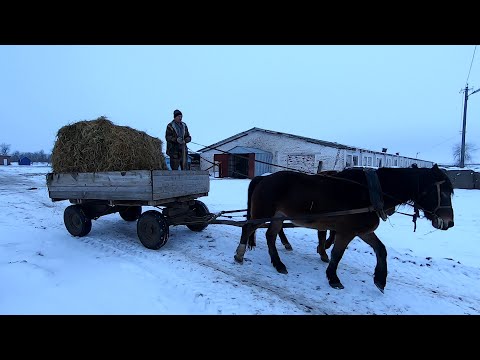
462,151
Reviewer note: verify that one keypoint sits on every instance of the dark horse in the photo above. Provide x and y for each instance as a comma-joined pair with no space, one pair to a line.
343,203
323,242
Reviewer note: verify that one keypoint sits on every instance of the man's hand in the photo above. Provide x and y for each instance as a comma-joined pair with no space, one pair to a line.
179,140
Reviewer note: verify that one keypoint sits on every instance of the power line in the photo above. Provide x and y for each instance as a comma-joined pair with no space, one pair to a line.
462,154
468,76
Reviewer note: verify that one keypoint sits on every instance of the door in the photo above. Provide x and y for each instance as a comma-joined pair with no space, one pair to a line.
222,159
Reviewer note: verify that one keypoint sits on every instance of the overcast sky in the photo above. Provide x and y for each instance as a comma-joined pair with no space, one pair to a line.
405,98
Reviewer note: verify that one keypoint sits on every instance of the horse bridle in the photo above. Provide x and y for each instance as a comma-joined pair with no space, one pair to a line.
416,208
439,205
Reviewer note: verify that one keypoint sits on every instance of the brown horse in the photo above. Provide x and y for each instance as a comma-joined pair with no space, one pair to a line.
344,204
324,243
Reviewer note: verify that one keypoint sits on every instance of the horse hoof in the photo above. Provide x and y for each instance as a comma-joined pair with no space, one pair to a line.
337,285
288,247
238,259
282,270
380,287
325,259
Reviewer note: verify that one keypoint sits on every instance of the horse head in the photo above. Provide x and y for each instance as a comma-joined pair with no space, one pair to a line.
435,198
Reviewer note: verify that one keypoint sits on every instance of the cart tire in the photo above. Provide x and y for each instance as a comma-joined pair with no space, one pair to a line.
76,222
152,229
131,213
200,210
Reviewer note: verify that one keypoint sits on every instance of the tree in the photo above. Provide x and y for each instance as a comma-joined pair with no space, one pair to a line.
4,149
469,150
16,156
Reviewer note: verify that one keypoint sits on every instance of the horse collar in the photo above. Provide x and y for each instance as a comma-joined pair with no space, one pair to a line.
375,192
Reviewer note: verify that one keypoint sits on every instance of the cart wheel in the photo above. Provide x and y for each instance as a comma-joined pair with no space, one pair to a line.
76,222
200,210
130,213
152,229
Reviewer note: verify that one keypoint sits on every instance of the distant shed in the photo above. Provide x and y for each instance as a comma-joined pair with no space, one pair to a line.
5,159
24,161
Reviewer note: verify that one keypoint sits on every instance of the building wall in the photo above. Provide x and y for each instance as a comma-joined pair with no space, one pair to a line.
287,152
305,156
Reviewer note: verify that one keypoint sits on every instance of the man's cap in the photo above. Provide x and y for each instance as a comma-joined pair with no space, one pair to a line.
176,113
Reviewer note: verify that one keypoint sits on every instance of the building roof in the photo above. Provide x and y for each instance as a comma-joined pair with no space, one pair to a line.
307,139
254,129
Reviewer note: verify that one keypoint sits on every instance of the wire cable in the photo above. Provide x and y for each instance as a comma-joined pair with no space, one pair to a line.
468,76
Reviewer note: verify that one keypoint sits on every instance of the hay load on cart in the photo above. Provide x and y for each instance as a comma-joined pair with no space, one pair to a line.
99,145
103,168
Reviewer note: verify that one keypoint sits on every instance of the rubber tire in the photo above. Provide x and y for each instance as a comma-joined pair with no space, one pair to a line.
200,210
76,222
131,213
152,229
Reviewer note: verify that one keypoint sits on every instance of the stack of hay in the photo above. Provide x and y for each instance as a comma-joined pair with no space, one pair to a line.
99,145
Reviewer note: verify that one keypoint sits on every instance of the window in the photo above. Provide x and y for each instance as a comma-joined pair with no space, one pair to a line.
301,162
355,160
369,159
349,161
320,166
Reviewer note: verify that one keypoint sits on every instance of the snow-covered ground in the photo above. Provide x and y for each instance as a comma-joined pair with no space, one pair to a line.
44,270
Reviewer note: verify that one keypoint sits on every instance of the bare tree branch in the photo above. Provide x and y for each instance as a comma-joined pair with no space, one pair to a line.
469,150
4,149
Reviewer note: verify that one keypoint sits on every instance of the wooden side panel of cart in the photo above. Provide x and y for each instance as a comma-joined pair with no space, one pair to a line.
143,187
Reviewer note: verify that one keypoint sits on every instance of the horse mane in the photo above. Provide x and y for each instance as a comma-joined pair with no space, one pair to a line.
401,180
412,179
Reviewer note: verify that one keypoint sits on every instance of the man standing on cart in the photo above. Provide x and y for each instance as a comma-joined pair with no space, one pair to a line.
177,136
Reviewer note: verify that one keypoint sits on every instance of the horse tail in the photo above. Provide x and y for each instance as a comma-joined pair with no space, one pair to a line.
251,187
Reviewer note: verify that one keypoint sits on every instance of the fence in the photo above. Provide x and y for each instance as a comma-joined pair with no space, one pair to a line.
464,179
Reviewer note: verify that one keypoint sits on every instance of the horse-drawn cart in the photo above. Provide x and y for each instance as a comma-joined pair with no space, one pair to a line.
97,194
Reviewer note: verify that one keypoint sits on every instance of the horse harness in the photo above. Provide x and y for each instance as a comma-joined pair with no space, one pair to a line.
416,214
376,198
439,204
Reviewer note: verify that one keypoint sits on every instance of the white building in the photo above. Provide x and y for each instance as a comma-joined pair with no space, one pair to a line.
258,151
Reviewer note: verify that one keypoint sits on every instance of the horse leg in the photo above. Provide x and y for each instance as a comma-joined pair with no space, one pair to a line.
330,240
284,240
252,240
341,242
322,235
274,228
247,230
380,275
